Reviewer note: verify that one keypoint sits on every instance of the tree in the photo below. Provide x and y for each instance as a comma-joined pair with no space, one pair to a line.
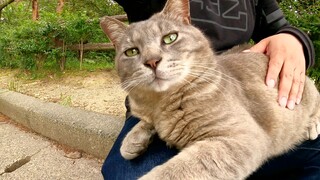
60,6
35,10
3,4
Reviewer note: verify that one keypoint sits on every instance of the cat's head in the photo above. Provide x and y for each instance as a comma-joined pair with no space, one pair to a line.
159,53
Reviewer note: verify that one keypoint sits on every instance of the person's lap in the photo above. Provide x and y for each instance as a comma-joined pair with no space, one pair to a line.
301,163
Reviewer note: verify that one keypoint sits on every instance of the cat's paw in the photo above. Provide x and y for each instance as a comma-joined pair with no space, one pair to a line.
136,141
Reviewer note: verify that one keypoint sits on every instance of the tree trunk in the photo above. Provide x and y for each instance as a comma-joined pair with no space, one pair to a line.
81,53
63,58
35,10
60,6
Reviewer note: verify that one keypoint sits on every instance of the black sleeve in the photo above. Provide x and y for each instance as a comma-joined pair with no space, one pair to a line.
138,10
270,20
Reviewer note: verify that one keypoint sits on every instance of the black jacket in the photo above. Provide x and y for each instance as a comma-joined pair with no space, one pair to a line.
228,23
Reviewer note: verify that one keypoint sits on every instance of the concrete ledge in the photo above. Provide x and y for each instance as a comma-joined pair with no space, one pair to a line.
91,132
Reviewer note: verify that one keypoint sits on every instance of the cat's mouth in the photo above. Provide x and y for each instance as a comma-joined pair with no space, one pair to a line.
159,80
159,84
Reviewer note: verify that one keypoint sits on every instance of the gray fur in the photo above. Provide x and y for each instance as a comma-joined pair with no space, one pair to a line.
215,108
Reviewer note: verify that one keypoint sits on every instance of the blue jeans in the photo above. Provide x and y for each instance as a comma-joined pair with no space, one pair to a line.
303,163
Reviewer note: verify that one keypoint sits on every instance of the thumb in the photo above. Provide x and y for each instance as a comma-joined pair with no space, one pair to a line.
260,47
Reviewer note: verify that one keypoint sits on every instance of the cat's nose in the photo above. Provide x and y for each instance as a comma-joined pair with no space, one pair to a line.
152,63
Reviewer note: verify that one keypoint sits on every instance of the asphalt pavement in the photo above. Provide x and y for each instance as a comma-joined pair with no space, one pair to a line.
26,155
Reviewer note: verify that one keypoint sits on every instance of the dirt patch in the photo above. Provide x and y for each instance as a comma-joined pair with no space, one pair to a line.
94,91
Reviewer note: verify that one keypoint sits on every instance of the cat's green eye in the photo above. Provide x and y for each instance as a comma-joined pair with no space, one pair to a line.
131,52
170,38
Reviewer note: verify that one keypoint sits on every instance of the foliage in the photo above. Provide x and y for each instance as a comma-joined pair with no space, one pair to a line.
32,45
305,14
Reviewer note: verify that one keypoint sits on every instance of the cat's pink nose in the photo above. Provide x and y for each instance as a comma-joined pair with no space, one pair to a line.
152,63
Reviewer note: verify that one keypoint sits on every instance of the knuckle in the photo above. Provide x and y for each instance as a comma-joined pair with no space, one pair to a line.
278,64
296,81
287,75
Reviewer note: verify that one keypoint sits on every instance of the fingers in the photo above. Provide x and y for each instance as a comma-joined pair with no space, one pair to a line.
301,87
286,63
275,65
260,47
294,89
291,81
288,87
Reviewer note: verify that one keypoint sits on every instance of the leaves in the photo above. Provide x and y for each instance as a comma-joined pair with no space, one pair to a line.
27,44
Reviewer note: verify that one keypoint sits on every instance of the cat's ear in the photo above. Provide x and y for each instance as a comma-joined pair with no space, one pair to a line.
113,28
178,8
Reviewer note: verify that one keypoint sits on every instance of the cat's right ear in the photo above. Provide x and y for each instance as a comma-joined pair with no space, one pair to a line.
114,29
178,8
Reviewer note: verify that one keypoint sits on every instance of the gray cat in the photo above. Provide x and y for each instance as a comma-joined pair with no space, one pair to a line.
215,108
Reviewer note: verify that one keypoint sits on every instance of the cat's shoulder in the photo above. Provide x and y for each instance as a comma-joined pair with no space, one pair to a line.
236,60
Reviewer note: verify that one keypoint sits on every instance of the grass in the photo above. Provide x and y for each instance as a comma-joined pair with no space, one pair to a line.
52,70
13,86
65,100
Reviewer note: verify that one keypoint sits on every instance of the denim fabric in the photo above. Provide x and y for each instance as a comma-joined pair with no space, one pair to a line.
303,163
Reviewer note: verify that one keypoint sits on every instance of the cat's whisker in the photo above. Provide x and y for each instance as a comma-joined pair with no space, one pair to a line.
208,80
211,81
195,87
184,82
215,70
131,83
221,76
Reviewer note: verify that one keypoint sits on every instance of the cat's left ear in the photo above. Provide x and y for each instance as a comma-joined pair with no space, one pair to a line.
114,29
178,8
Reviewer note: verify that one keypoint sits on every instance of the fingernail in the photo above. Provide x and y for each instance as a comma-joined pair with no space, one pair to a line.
298,101
271,83
283,102
247,50
291,104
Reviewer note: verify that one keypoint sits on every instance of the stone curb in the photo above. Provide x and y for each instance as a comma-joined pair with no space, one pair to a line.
91,132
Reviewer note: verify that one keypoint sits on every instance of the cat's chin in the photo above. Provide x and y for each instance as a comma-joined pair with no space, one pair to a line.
160,85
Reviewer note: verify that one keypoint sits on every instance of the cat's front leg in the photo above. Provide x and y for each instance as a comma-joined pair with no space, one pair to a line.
210,160
137,140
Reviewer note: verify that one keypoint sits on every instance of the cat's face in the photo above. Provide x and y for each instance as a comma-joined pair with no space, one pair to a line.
158,53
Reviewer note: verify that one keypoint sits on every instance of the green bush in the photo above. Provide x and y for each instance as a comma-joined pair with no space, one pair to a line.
33,45
30,45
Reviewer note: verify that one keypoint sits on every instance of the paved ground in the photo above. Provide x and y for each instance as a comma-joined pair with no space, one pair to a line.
26,155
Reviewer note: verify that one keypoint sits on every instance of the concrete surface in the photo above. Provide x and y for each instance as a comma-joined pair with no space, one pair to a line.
90,132
25,155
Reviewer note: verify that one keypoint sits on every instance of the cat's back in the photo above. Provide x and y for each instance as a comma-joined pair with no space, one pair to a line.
244,66
248,71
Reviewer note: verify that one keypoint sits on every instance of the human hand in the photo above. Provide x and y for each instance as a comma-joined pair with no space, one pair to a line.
287,62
